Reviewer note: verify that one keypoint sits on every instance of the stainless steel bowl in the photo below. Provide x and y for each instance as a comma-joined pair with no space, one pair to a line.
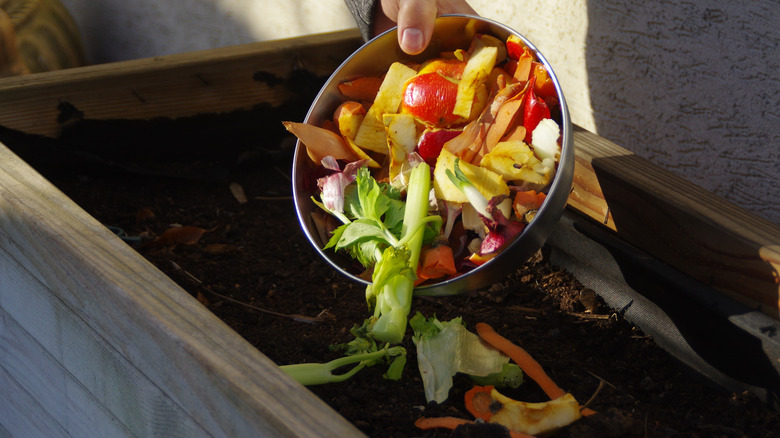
374,58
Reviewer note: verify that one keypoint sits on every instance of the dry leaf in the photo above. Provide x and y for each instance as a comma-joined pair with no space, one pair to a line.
178,236
144,214
202,299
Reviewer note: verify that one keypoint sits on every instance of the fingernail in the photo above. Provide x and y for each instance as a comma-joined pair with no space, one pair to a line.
412,40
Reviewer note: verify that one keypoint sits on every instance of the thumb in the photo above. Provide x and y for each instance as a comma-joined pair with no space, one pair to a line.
415,24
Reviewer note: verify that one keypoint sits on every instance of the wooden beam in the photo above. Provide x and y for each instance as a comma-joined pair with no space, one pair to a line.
187,84
689,228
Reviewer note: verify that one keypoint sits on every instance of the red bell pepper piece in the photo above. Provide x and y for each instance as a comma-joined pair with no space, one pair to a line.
432,141
534,110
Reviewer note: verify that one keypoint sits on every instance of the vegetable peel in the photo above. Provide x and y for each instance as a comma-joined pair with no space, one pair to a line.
371,133
521,418
447,348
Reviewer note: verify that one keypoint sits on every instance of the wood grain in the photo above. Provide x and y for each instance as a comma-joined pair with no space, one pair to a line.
689,228
209,81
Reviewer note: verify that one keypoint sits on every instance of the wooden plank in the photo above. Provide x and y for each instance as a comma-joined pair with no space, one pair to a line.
21,413
56,359
143,319
208,81
697,232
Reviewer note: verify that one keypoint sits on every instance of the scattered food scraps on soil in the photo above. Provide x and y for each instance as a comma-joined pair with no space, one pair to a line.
582,344
247,270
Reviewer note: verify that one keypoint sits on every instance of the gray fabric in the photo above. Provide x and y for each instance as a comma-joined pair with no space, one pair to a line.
363,12
693,322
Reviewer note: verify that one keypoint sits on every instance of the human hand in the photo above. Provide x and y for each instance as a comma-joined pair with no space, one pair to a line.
415,19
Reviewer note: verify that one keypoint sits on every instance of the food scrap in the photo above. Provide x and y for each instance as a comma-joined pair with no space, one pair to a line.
522,419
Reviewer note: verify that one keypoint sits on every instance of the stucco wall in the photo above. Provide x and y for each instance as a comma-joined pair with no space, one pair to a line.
693,86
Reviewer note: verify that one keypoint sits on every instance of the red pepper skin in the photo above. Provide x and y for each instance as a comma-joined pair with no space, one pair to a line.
515,47
432,141
534,110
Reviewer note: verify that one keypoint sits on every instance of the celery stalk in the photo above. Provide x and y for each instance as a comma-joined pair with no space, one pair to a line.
394,274
321,373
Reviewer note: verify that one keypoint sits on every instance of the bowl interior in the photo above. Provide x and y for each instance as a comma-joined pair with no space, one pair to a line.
374,58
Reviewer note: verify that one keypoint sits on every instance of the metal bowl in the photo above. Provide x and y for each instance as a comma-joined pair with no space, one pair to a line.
374,58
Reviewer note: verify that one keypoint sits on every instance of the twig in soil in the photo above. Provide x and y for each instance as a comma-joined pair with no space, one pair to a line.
322,316
595,393
589,315
523,309
601,379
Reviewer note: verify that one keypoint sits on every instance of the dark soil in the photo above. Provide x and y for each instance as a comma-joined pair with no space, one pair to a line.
255,270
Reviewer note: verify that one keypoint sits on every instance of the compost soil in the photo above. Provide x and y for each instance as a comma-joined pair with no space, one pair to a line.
251,265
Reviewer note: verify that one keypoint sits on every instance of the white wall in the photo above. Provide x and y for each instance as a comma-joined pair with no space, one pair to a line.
115,30
694,86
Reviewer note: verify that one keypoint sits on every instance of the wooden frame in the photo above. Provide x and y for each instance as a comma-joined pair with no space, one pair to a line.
679,223
94,340
84,318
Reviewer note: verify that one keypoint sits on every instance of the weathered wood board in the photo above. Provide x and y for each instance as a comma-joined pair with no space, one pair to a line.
106,345
180,85
691,229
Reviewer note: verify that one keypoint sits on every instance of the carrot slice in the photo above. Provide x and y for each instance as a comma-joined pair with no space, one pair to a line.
527,363
530,198
451,423
478,400
526,201
362,88
436,261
